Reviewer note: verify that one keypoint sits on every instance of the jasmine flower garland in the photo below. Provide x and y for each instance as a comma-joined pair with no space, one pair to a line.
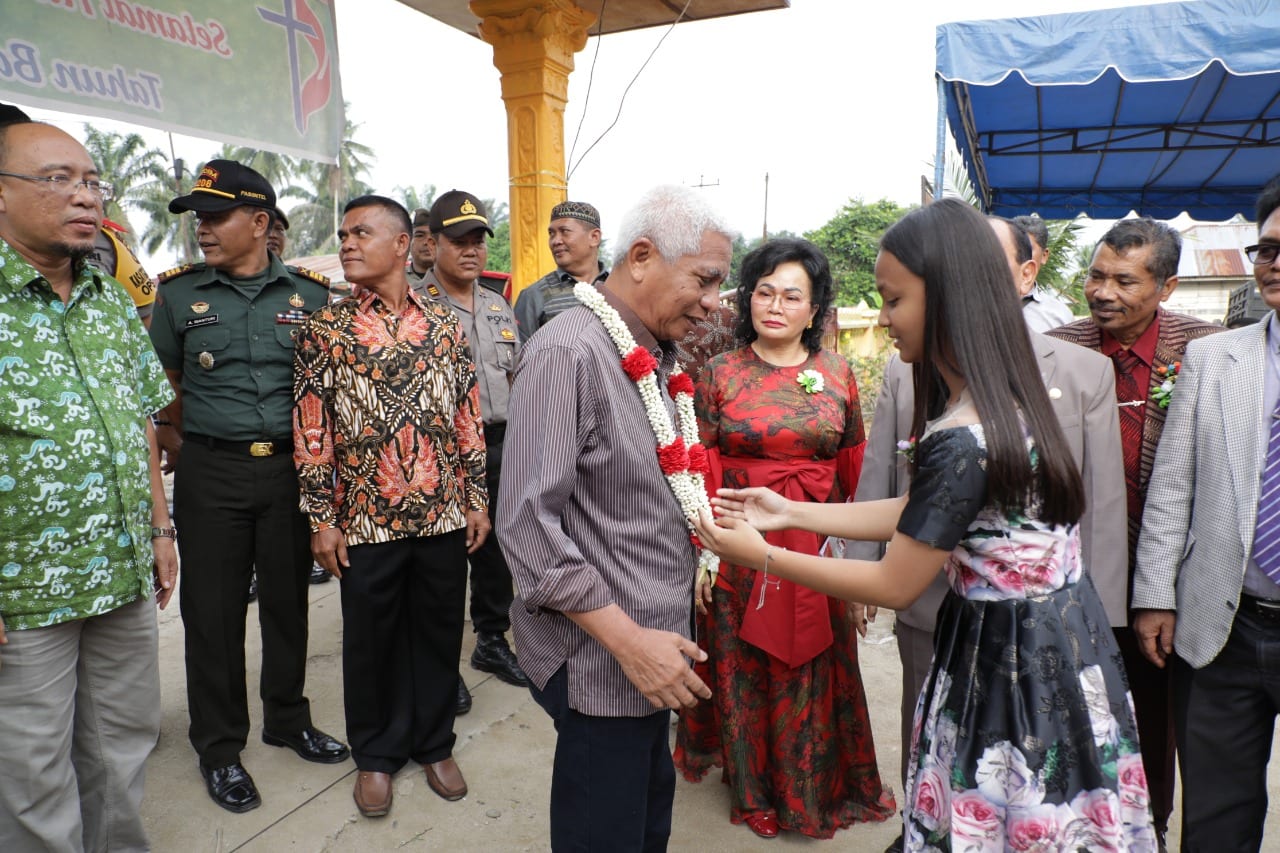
681,456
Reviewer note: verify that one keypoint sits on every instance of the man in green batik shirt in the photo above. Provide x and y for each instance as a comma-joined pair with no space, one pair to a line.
82,505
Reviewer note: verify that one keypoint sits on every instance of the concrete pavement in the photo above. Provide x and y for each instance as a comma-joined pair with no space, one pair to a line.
505,748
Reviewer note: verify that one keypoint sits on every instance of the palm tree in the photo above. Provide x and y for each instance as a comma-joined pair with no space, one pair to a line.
278,169
323,190
127,164
417,197
166,230
1063,257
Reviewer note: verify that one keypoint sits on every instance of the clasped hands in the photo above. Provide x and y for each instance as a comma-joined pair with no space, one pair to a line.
740,514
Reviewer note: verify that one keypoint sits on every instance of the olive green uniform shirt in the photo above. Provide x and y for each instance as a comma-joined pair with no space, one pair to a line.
233,341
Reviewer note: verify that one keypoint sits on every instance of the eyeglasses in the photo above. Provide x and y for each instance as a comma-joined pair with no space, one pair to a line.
63,185
1263,253
790,300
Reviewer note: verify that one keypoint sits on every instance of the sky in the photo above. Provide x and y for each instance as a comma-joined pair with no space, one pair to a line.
833,99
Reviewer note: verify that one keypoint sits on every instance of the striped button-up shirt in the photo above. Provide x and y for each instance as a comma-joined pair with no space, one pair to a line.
585,517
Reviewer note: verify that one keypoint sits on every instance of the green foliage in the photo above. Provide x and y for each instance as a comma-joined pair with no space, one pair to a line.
416,197
500,248
741,248
1056,274
868,371
127,164
850,241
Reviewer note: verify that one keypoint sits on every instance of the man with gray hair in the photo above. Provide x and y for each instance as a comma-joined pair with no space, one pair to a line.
574,238
1042,309
595,535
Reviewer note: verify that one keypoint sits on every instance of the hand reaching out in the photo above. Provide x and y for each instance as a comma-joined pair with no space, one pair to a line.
762,508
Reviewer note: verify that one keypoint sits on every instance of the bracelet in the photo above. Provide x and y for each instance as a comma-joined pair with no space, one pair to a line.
164,533
765,583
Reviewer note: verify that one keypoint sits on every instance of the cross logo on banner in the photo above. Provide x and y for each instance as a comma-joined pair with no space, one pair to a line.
310,95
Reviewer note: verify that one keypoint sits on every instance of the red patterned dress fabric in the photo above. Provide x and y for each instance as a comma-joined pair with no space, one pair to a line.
793,739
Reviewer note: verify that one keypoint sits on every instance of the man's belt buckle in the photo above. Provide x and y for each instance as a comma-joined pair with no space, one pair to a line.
262,448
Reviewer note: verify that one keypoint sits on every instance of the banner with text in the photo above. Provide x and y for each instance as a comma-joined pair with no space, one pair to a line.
262,74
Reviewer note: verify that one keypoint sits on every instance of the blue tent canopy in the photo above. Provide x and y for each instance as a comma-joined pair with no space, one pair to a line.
1160,109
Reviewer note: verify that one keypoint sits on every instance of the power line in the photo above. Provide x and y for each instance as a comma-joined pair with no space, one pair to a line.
623,99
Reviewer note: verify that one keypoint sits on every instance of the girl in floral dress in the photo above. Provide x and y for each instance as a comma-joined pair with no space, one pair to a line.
1024,736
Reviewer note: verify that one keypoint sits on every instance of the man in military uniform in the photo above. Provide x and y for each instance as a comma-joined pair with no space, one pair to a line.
574,238
421,256
224,332
458,225
277,238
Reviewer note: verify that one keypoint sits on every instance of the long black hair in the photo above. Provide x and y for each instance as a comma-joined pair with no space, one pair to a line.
973,324
767,257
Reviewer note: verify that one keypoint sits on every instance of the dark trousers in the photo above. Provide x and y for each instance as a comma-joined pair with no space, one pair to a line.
491,589
1152,689
401,639
613,782
1225,714
235,512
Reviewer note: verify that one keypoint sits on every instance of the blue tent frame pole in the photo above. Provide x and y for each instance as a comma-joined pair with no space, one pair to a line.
940,155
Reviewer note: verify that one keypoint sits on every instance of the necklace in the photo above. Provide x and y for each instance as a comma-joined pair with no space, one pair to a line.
681,456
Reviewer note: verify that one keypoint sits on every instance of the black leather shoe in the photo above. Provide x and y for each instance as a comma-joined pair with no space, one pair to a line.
319,574
231,787
311,744
253,588
492,654
464,698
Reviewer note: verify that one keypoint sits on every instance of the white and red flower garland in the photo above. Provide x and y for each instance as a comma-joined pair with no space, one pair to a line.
681,456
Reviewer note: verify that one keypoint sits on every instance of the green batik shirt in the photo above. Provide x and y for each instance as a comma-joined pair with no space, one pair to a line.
76,382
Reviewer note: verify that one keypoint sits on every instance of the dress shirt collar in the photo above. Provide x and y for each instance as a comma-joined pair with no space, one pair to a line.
567,277
367,298
1144,347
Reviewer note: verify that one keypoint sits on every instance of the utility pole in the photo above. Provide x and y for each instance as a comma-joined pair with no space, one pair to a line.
765,230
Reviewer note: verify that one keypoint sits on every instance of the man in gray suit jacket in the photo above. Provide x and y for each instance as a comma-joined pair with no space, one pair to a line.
1204,596
1081,389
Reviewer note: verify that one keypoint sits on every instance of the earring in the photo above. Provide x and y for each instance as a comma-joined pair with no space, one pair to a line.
810,326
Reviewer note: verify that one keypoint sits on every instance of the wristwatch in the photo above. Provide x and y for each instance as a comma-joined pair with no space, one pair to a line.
165,532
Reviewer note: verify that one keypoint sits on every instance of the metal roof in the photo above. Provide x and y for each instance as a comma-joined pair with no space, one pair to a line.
1160,109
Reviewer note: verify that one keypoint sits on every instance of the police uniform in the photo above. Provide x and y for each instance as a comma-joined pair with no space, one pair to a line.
493,339
236,497
114,257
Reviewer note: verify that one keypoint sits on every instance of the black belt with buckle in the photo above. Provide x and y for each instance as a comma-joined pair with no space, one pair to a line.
264,447
1263,608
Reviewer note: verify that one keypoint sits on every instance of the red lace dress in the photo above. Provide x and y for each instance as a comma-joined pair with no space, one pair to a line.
788,718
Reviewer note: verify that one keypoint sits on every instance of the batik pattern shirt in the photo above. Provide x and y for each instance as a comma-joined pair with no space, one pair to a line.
76,381
388,437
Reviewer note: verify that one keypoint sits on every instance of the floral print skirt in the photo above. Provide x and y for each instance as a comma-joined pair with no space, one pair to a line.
1024,734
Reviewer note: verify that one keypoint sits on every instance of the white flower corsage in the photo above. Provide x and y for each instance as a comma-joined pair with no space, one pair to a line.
810,381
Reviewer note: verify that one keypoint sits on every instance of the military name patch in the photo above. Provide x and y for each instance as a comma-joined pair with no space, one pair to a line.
197,322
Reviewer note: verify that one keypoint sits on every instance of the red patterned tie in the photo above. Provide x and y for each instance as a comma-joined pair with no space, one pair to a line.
1132,401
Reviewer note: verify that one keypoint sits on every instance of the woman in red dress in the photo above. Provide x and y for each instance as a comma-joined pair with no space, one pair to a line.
788,719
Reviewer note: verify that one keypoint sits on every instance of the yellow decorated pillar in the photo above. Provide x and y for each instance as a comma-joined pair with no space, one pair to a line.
533,46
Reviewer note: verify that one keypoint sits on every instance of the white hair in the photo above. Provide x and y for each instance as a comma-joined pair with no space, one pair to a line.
674,218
